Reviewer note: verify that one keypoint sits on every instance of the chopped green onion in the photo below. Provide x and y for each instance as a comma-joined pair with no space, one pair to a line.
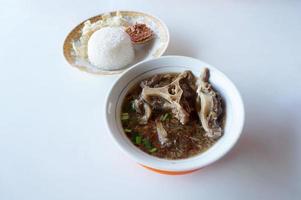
165,117
125,116
147,143
133,137
168,116
133,106
127,130
138,139
153,150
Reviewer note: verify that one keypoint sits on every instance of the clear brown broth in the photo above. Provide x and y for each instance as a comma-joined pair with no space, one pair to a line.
185,140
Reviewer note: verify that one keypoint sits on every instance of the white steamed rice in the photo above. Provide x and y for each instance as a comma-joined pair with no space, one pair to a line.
110,48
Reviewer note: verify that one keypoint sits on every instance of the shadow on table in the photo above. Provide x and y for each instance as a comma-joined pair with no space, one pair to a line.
266,147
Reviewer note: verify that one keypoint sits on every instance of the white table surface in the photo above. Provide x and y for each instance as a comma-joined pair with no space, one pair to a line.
53,141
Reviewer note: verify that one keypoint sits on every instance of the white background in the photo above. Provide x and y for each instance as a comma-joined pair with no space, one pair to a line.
53,142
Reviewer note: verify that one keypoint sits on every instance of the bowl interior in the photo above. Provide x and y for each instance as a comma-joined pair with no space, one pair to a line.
234,111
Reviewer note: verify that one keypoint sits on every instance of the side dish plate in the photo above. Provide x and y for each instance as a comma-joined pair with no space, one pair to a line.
153,49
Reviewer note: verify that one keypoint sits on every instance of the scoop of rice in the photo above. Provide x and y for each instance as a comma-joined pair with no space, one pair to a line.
110,48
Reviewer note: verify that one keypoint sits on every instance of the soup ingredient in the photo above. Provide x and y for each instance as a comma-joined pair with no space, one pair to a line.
140,33
209,107
125,116
127,130
162,134
142,107
176,98
165,117
110,48
138,139
151,120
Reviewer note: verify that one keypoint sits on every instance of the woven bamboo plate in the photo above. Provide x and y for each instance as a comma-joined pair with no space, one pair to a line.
153,49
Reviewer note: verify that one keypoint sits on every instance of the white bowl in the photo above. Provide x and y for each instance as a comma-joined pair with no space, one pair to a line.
234,113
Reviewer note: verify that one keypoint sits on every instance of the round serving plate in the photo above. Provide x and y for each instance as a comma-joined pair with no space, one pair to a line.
150,50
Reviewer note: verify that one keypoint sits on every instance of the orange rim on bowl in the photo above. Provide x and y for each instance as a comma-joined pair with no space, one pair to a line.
169,172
